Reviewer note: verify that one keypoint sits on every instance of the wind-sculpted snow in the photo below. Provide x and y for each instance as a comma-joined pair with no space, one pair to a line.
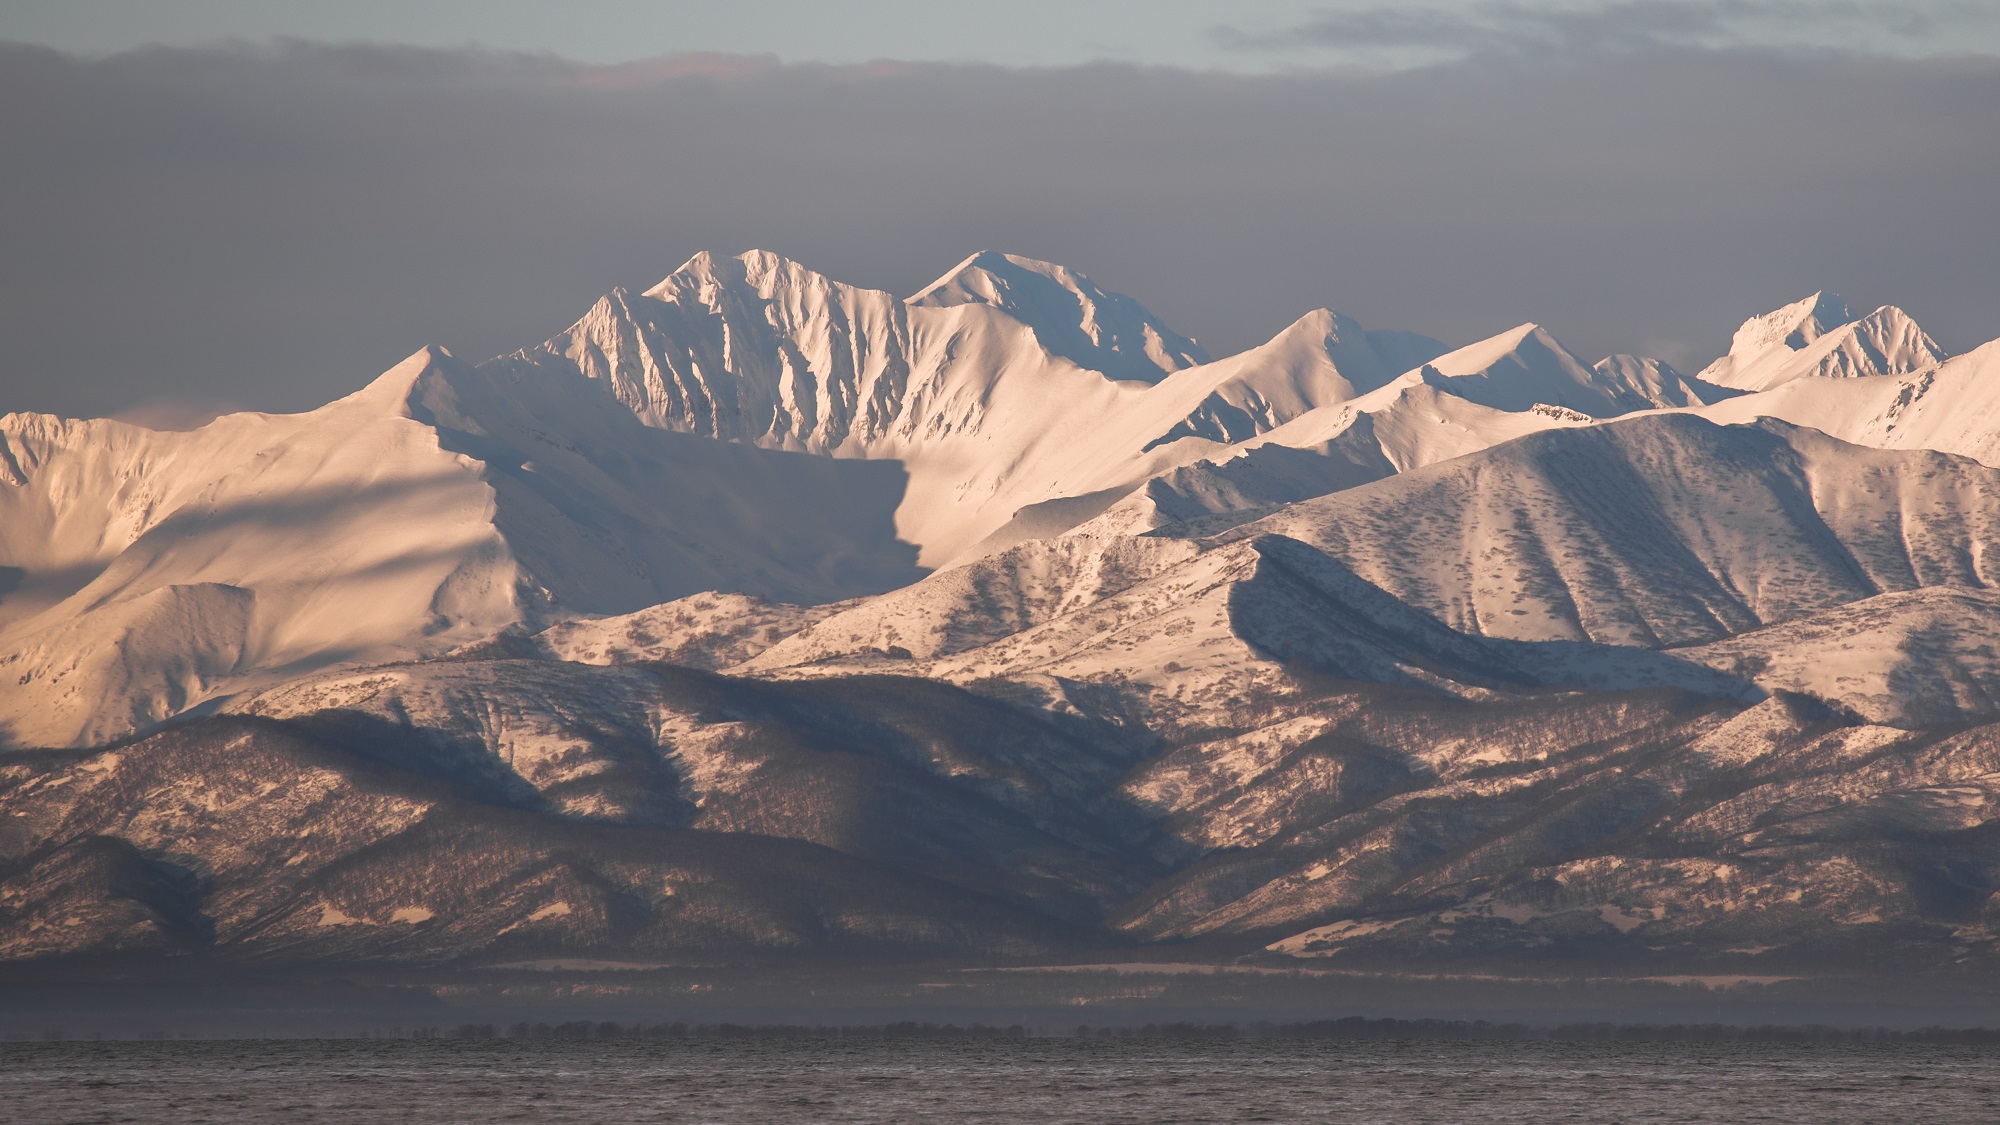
609,516
760,612
128,664
345,532
1007,384
1664,530
433,509
1404,425
1560,560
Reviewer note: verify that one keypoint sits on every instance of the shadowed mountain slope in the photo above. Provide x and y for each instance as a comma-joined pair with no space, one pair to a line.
758,615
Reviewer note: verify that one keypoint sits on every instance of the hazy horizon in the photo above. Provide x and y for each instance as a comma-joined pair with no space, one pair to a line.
272,225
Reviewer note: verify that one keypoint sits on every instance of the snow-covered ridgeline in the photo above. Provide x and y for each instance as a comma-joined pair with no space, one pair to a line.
865,439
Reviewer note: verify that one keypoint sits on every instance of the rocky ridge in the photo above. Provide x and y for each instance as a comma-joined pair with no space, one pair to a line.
758,614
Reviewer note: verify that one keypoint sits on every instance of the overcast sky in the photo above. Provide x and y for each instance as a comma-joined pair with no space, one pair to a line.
1238,35
272,223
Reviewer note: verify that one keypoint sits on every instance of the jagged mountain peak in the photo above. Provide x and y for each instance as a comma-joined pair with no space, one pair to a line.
1104,642
1072,315
1794,325
761,271
1820,336
1947,404
1231,648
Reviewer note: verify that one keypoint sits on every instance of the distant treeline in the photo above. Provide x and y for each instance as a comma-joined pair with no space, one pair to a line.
586,1029
1353,1027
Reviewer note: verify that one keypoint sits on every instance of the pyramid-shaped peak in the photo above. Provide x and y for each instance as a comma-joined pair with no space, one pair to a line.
1070,314
1523,333
1482,356
1522,368
1322,323
417,362
1016,283
393,387
1393,352
1793,326
1318,335
1334,342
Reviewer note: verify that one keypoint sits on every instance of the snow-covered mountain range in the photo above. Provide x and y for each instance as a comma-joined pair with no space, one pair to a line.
661,570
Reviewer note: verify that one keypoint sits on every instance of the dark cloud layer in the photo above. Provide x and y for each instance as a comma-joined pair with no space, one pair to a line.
1520,27
272,227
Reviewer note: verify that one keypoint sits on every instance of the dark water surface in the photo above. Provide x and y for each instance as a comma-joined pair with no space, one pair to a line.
1019,1080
